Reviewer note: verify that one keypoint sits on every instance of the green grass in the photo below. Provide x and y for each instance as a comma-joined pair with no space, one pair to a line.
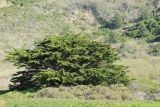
17,99
74,103
9,10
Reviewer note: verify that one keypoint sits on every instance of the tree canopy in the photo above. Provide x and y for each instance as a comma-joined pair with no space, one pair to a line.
66,60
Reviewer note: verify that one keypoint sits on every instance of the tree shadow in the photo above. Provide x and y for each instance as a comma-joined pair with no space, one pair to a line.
156,39
3,92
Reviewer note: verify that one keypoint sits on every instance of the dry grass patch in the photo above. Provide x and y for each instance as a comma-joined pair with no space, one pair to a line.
2,103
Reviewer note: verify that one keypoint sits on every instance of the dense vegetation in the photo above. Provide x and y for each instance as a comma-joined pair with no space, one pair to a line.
21,2
109,36
116,22
155,50
147,28
67,60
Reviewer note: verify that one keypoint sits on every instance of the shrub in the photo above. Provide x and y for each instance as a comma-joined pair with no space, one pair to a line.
156,39
115,92
155,50
137,31
109,36
116,22
52,93
144,29
66,60
21,2
96,96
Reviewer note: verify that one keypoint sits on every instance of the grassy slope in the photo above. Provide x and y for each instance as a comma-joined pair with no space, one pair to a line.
143,67
20,25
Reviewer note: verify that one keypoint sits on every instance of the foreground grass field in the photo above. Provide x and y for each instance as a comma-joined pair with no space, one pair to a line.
73,103
17,99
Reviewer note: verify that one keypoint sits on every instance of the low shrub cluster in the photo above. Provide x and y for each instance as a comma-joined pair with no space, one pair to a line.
109,36
148,28
116,22
155,50
114,92
21,2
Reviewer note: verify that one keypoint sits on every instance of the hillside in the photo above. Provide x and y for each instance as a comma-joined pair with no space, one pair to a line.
24,21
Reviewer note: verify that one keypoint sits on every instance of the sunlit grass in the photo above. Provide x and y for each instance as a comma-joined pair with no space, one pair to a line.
76,103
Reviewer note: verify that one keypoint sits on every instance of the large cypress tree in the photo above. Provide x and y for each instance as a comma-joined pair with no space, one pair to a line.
66,60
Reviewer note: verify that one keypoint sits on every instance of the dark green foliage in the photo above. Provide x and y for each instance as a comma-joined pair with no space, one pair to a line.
144,29
137,31
66,60
21,2
152,25
155,50
116,22
156,39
